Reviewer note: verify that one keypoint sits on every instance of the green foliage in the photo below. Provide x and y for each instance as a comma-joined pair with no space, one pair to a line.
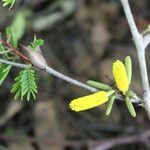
6,46
130,107
4,70
131,94
8,2
37,43
11,37
110,104
19,24
128,65
25,85
2,47
99,85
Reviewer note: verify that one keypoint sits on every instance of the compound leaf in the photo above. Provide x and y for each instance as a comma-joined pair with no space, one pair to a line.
25,85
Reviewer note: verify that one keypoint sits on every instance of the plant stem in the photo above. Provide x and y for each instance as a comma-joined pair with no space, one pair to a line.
70,80
55,73
13,63
140,47
138,40
15,50
80,84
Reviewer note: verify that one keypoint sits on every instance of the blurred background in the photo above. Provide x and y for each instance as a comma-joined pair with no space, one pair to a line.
82,39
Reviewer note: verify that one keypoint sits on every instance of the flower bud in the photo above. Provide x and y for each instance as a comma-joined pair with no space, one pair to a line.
36,58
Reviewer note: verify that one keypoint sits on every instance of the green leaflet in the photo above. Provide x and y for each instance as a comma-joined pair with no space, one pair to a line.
19,24
128,65
130,107
25,85
4,70
110,92
8,2
110,104
11,37
131,94
99,85
2,48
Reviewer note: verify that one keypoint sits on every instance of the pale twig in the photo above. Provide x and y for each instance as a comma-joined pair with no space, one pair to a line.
57,74
13,63
70,80
140,47
146,40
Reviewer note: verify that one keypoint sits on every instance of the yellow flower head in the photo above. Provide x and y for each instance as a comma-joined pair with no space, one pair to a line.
120,76
89,101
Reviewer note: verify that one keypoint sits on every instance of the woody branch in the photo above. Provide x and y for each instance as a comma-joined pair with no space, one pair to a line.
141,42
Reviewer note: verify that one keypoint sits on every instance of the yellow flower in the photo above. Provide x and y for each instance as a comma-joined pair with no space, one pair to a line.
120,76
89,101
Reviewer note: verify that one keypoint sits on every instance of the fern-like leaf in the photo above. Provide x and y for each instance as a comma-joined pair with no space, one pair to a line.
25,85
4,70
